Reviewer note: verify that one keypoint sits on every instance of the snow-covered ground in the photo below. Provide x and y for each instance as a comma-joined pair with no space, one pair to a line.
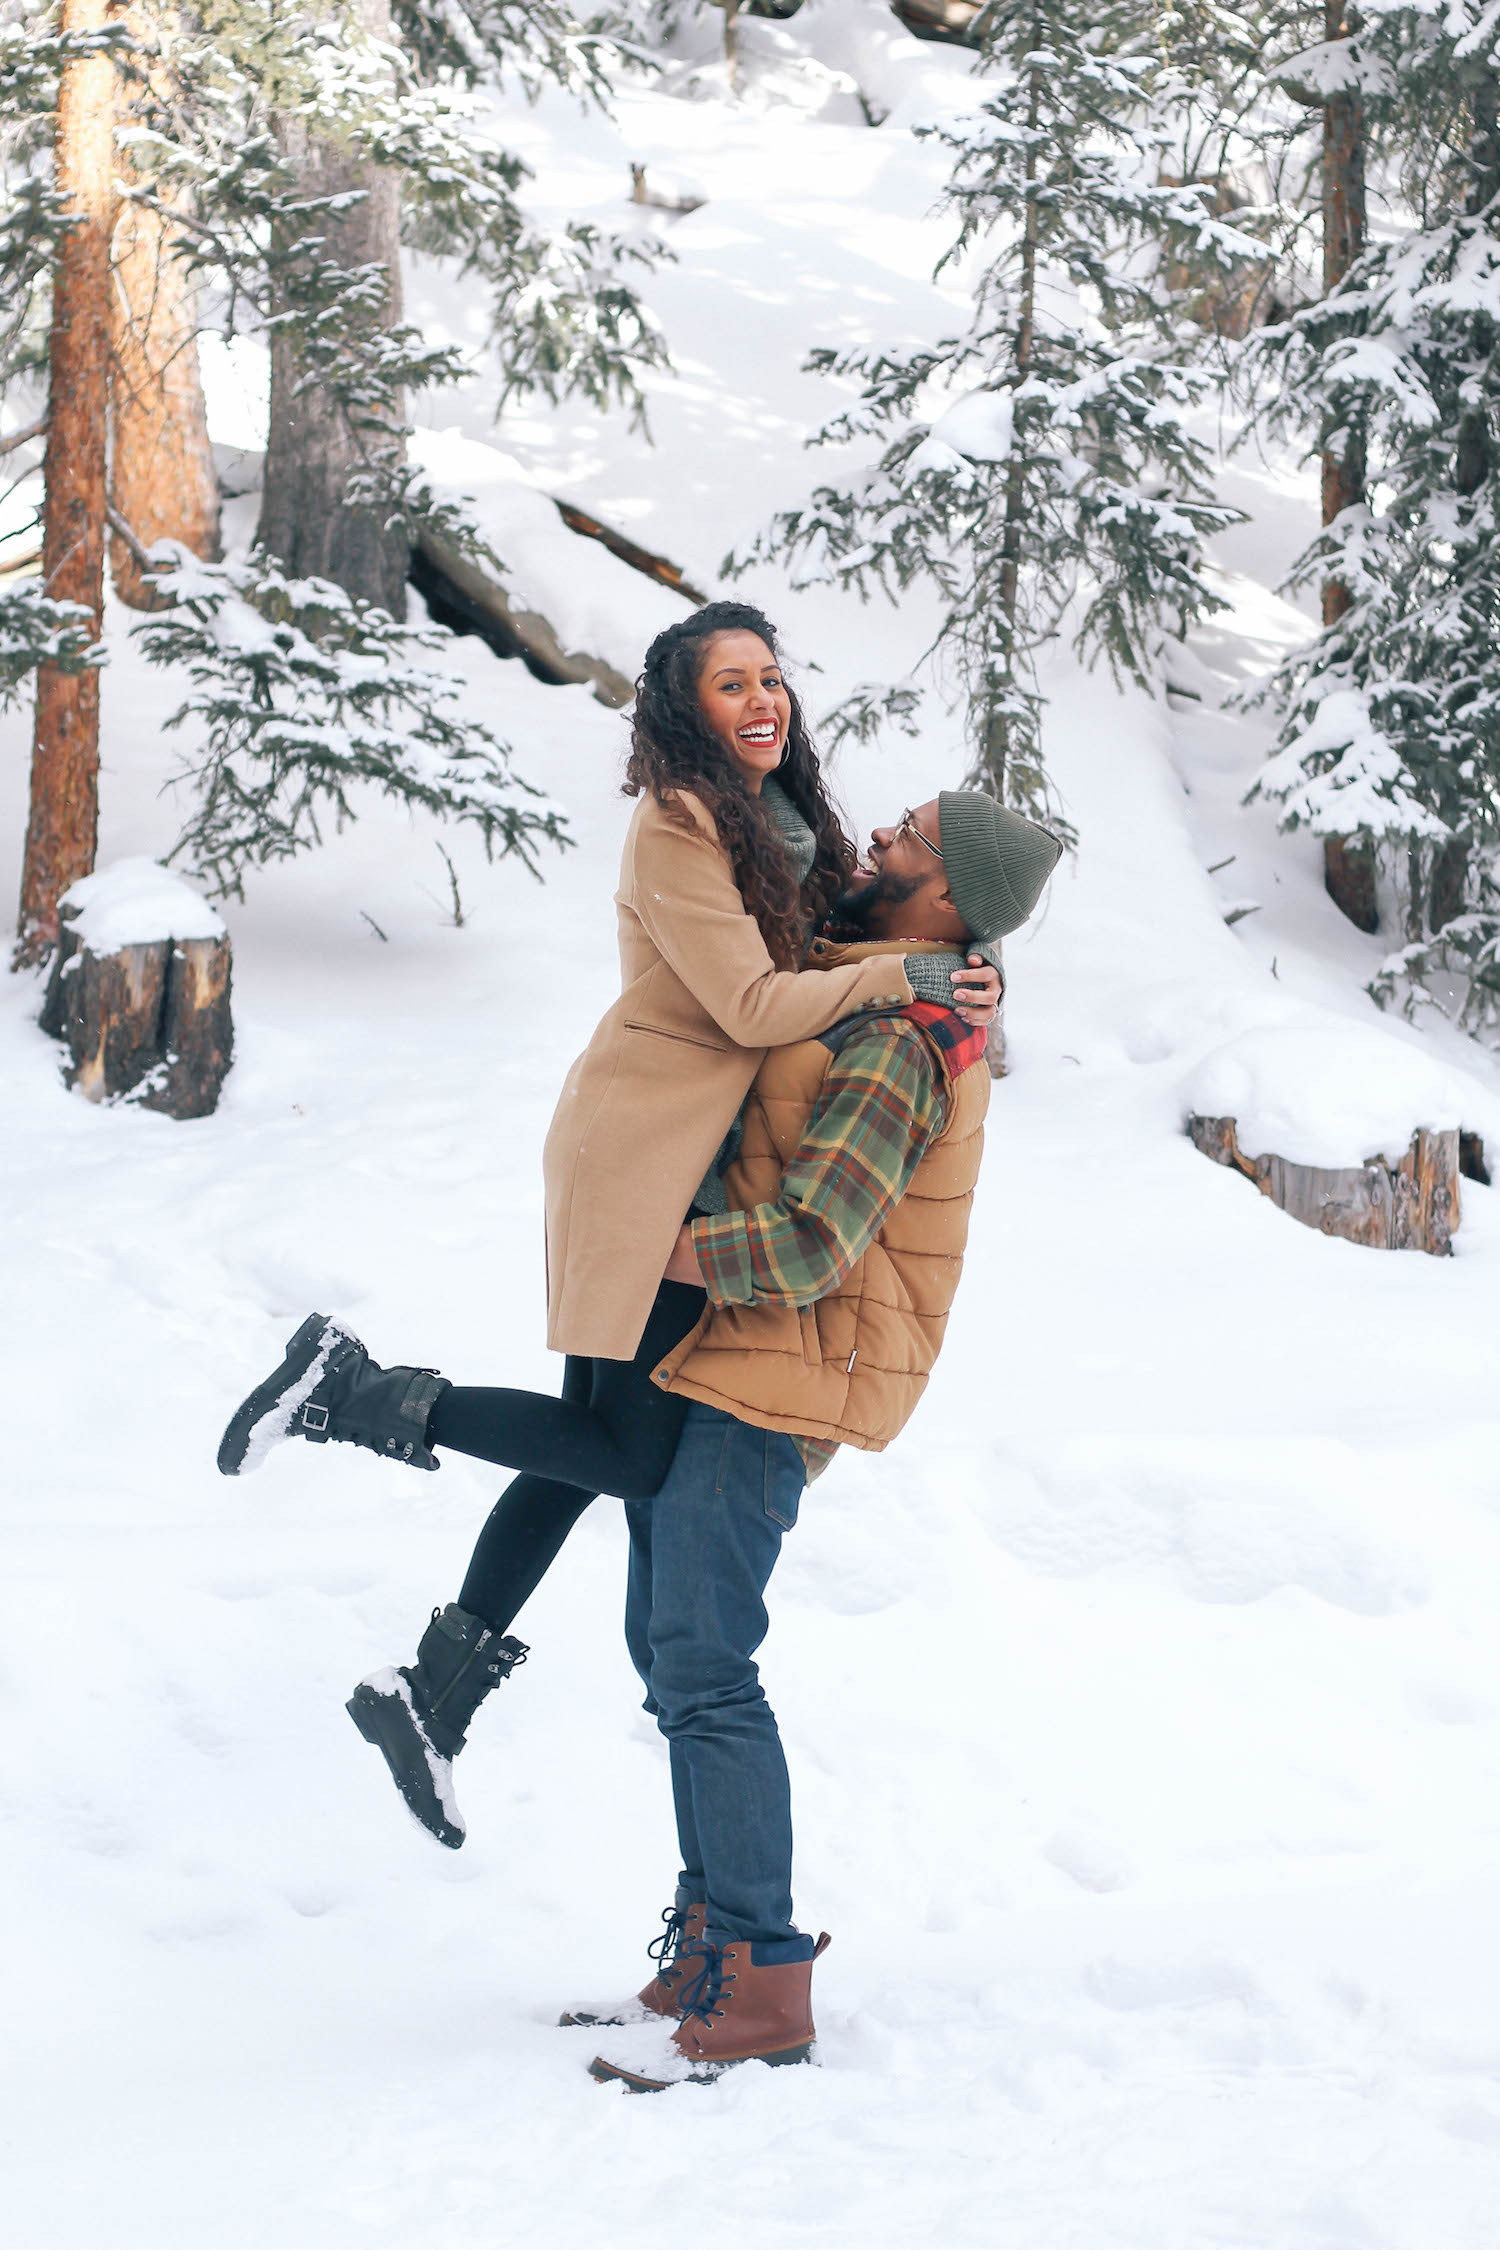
1143,1703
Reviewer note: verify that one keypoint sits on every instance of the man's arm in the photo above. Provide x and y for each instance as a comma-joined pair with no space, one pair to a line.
880,1105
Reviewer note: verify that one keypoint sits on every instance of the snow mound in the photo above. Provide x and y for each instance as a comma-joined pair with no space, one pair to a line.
594,602
905,81
136,902
1327,1092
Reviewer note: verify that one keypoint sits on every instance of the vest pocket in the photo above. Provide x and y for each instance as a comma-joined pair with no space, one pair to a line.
812,1343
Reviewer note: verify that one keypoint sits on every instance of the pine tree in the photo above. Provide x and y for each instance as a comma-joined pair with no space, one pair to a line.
347,214
300,693
62,828
290,132
1392,732
1063,468
215,92
161,471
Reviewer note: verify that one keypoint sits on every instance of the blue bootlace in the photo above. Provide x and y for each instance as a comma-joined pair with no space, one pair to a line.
665,1948
702,1996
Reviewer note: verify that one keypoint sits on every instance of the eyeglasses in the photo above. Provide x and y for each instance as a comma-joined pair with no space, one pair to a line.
907,826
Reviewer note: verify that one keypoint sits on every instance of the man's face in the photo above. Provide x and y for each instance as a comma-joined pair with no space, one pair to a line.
903,892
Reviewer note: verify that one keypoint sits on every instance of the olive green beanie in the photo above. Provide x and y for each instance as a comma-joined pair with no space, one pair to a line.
997,861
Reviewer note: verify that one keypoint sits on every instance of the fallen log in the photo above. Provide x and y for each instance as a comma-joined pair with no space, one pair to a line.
681,205
145,1017
639,558
951,20
1410,1203
468,600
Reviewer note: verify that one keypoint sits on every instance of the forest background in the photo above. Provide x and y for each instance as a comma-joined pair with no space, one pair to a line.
1107,411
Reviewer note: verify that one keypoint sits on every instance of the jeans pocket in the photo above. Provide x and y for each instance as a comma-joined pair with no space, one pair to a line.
785,1478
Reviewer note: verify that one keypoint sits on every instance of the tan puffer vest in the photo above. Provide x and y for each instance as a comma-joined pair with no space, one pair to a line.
851,1367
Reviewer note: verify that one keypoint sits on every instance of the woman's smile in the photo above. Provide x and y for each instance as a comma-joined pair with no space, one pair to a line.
742,696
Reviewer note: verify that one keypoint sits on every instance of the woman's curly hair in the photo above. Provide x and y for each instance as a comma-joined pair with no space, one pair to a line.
672,747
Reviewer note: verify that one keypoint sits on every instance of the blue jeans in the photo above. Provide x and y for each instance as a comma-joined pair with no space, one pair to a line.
701,1555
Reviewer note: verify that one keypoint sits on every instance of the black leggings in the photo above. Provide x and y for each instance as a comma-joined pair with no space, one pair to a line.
613,1430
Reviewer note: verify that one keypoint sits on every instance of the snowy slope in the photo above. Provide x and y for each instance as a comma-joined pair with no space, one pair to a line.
1143,1704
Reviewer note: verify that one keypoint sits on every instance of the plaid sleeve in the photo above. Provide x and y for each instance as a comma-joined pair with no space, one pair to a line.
879,1107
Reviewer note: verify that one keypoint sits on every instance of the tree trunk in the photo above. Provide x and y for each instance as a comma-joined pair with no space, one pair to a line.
1473,452
731,10
1343,243
311,451
1349,879
1406,1203
996,725
63,829
1348,862
1448,884
161,474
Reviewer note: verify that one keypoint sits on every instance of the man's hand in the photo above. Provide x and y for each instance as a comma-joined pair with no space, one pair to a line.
683,1263
976,992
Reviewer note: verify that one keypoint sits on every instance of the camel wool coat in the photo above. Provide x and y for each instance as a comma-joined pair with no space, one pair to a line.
646,1105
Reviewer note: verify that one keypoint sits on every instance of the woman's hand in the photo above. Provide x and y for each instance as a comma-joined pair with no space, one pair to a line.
977,992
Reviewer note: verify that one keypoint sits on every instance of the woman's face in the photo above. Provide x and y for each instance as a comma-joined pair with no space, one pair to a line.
742,696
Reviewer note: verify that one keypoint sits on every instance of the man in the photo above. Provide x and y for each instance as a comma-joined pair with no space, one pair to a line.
829,1281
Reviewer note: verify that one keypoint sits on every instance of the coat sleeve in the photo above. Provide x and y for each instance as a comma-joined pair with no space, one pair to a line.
685,894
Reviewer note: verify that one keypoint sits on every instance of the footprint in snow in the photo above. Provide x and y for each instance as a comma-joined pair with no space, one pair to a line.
1094,1861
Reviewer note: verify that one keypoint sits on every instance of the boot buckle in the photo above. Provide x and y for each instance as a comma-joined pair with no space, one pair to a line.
314,1417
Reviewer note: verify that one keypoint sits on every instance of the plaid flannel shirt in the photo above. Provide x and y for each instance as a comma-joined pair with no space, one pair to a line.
880,1105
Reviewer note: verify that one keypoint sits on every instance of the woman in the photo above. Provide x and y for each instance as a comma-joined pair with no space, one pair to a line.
733,859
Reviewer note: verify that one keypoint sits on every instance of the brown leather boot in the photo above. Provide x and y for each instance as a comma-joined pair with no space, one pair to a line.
732,2012
658,1998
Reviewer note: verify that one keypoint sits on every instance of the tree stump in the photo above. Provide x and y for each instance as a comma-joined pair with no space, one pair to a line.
1411,1203
146,1020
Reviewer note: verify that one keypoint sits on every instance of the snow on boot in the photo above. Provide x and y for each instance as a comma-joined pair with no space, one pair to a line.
417,1716
327,1386
733,2010
658,1998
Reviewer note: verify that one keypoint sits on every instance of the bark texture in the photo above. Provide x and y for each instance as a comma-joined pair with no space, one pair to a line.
1349,879
162,478
996,727
151,1022
1348,862
1410,1203
62,830
651,565
311,450
1344,235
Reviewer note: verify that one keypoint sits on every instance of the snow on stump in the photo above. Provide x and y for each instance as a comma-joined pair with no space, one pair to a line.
140,991
1290,1106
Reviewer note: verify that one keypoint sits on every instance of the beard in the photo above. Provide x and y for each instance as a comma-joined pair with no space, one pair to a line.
867,909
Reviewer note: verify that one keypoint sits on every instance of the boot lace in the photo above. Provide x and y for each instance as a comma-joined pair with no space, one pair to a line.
664,1950
703,1995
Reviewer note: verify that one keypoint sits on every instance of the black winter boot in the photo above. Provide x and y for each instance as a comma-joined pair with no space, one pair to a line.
417,1716
327,1386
